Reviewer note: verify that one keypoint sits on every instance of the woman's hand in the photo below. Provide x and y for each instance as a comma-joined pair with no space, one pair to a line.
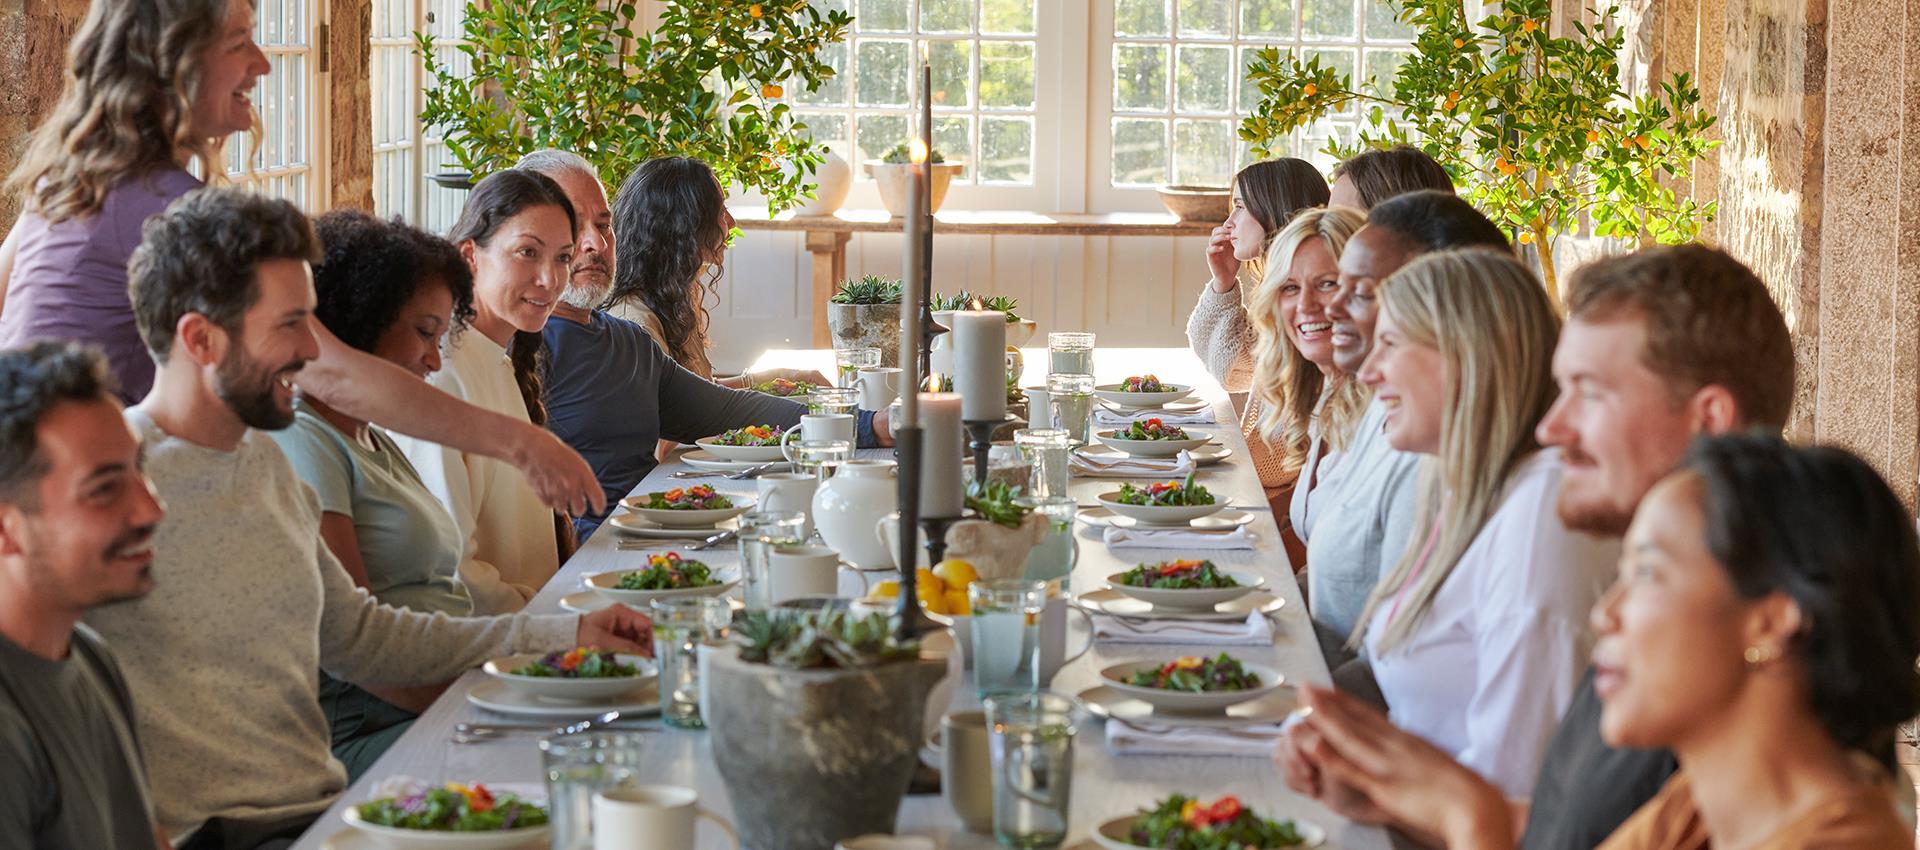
1220,259
618,628
559,476
808,376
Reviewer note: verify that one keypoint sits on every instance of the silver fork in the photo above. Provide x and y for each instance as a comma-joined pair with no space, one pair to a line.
707,543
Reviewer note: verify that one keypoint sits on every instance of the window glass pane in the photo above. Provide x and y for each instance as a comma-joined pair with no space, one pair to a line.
1202,152
883,73
831,5
825,126
1203,17
881,16
1313,146
877,134
1139,152
1203,77
1383,21
1006,150
832,89
1006,17
1341,61
1381,66
946,15
1006,75
1327,18
952,73
1140,17
1266,18
953,138
1139,76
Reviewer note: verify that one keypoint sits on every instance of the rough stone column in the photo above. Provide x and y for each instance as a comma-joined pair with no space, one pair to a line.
33,55
350,121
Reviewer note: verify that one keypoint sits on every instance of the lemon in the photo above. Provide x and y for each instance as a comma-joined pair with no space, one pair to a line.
928,580
957,604
935,603
956,574
889,589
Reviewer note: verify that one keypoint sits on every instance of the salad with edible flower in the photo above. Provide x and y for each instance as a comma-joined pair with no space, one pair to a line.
1195,674
668,571
1183,823
784,388
1165,494
1153,429
699,497
1178,575
1144,384
454,808
580,662
752,435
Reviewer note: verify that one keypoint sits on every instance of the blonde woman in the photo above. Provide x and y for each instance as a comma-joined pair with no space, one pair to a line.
1301,411
1478,635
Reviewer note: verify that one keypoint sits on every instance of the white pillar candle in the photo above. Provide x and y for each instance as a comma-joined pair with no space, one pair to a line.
942,483
980,363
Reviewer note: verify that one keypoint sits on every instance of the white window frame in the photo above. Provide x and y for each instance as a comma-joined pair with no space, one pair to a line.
408,193
293,109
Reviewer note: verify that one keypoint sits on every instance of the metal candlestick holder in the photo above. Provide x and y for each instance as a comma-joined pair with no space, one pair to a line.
981,432
913,621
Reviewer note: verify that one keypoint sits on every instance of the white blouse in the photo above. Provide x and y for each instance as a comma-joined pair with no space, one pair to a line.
1497,657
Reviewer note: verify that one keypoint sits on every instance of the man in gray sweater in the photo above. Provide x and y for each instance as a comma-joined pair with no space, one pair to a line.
248,600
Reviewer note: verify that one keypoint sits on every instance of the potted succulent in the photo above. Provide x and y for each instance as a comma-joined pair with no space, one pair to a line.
865,313
1002,533
890,174
817,720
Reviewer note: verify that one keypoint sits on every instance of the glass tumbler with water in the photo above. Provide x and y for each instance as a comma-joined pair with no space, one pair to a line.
1071,353
1071,397
1047,451
1057,552
680,626
819,457
834,399
848,362
1031,736
579,766
760,533
1006,634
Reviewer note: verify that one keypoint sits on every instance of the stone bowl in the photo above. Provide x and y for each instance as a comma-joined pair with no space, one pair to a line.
1197,203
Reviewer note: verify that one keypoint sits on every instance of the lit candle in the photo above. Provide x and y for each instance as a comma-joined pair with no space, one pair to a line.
942,484
914,284
980,363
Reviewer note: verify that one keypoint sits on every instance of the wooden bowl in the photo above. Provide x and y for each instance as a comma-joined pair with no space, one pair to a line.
1197,203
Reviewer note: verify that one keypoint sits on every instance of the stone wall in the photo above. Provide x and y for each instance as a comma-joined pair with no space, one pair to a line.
33,52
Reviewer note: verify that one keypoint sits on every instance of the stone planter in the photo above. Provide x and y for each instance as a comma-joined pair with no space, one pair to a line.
994,550
812,757
891,178
867,326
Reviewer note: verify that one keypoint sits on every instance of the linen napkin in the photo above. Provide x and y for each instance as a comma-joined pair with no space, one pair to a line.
1148,738
1123,466
1109,418
1178,538
1256,630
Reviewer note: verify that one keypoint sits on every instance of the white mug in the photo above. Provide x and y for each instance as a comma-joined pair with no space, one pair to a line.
796,571
658,817
789,491
966,768
819,426
1039,410
879,386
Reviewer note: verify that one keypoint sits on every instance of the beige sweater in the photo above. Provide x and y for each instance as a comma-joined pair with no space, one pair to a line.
1219,332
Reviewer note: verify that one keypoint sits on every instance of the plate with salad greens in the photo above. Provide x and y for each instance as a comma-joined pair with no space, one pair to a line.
452,816
1180,822
664,576
1142,391
580,674
759,443
1192,683
1189,583
784,388
1163,502
697,506
1152,437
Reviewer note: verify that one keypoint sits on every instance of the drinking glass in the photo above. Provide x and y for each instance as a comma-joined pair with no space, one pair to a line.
1071,353
1006,634
680,626
849,361
834,400
1057,552
760,533
819,457
1031,736
577,767
1071,396
1047,450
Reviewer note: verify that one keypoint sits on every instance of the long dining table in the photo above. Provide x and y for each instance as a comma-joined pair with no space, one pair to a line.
1105,784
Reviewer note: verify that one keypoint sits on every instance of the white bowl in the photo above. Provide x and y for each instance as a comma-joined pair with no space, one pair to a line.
1210,702
756,454
569,690
1113,394
677,518
1196,599
604,584
1114,834
421,839
1153,448
1168,515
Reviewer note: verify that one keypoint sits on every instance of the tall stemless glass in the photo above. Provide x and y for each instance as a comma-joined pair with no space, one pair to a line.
1006,634
579,766
847,363
1031,736
1054,556
760,533
1072,399
680,626
1047,451
834,400
1070,352
820,457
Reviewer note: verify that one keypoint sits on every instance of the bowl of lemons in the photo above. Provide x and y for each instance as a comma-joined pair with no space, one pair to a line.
943,595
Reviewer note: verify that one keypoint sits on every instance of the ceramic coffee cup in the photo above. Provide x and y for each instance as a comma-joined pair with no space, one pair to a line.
819,426
879,386
966,769
789,491
797,571
660,817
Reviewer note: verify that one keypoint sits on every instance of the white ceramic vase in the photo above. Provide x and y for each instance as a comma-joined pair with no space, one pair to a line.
834,177
846,506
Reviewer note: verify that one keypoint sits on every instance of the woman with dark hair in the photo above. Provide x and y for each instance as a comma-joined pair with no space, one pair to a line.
1764,627
1266,195
394,292
1370,177
516,234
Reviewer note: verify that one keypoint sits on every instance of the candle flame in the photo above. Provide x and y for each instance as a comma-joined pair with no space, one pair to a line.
933,382
917,150
976,304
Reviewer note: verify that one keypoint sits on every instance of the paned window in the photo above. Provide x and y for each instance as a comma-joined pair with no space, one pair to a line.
292,118
404,152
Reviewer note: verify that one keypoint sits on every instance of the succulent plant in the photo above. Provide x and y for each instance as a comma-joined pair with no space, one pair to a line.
821,639
871,289
963,300
993,501
900,155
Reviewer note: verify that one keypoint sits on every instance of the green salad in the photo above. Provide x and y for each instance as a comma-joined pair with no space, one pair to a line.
699,497
752,435
668,572
1198,675
1152,429
1165,494
1144,384
784,388
1183,823
580,662
454,808
1178,575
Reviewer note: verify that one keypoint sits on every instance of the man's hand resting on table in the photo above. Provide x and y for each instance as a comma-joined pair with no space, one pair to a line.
617,628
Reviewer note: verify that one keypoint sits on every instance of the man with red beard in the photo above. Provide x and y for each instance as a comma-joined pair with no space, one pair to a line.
1659,346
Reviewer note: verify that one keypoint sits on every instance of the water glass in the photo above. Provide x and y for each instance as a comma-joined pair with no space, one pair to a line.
819,457
579,766
1031,737
1057,552
1047,451
761,532
680,626
1006,634
834,400
1071,353
1071,396
848,362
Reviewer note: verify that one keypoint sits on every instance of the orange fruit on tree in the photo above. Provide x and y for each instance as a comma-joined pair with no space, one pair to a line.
1593,136
1529,25
754,10
771,91
1526,237
1310,90
1459,43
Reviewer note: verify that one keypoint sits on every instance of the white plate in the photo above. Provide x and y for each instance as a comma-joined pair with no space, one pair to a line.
1206,455
353,839
603,584
638,526
1167,515
363,834
497,696
1227,520
1113,834
1203,599
1110,601
687,518
589,601
1187,702
703,459
1153,448
1112,394
564,689
755,454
